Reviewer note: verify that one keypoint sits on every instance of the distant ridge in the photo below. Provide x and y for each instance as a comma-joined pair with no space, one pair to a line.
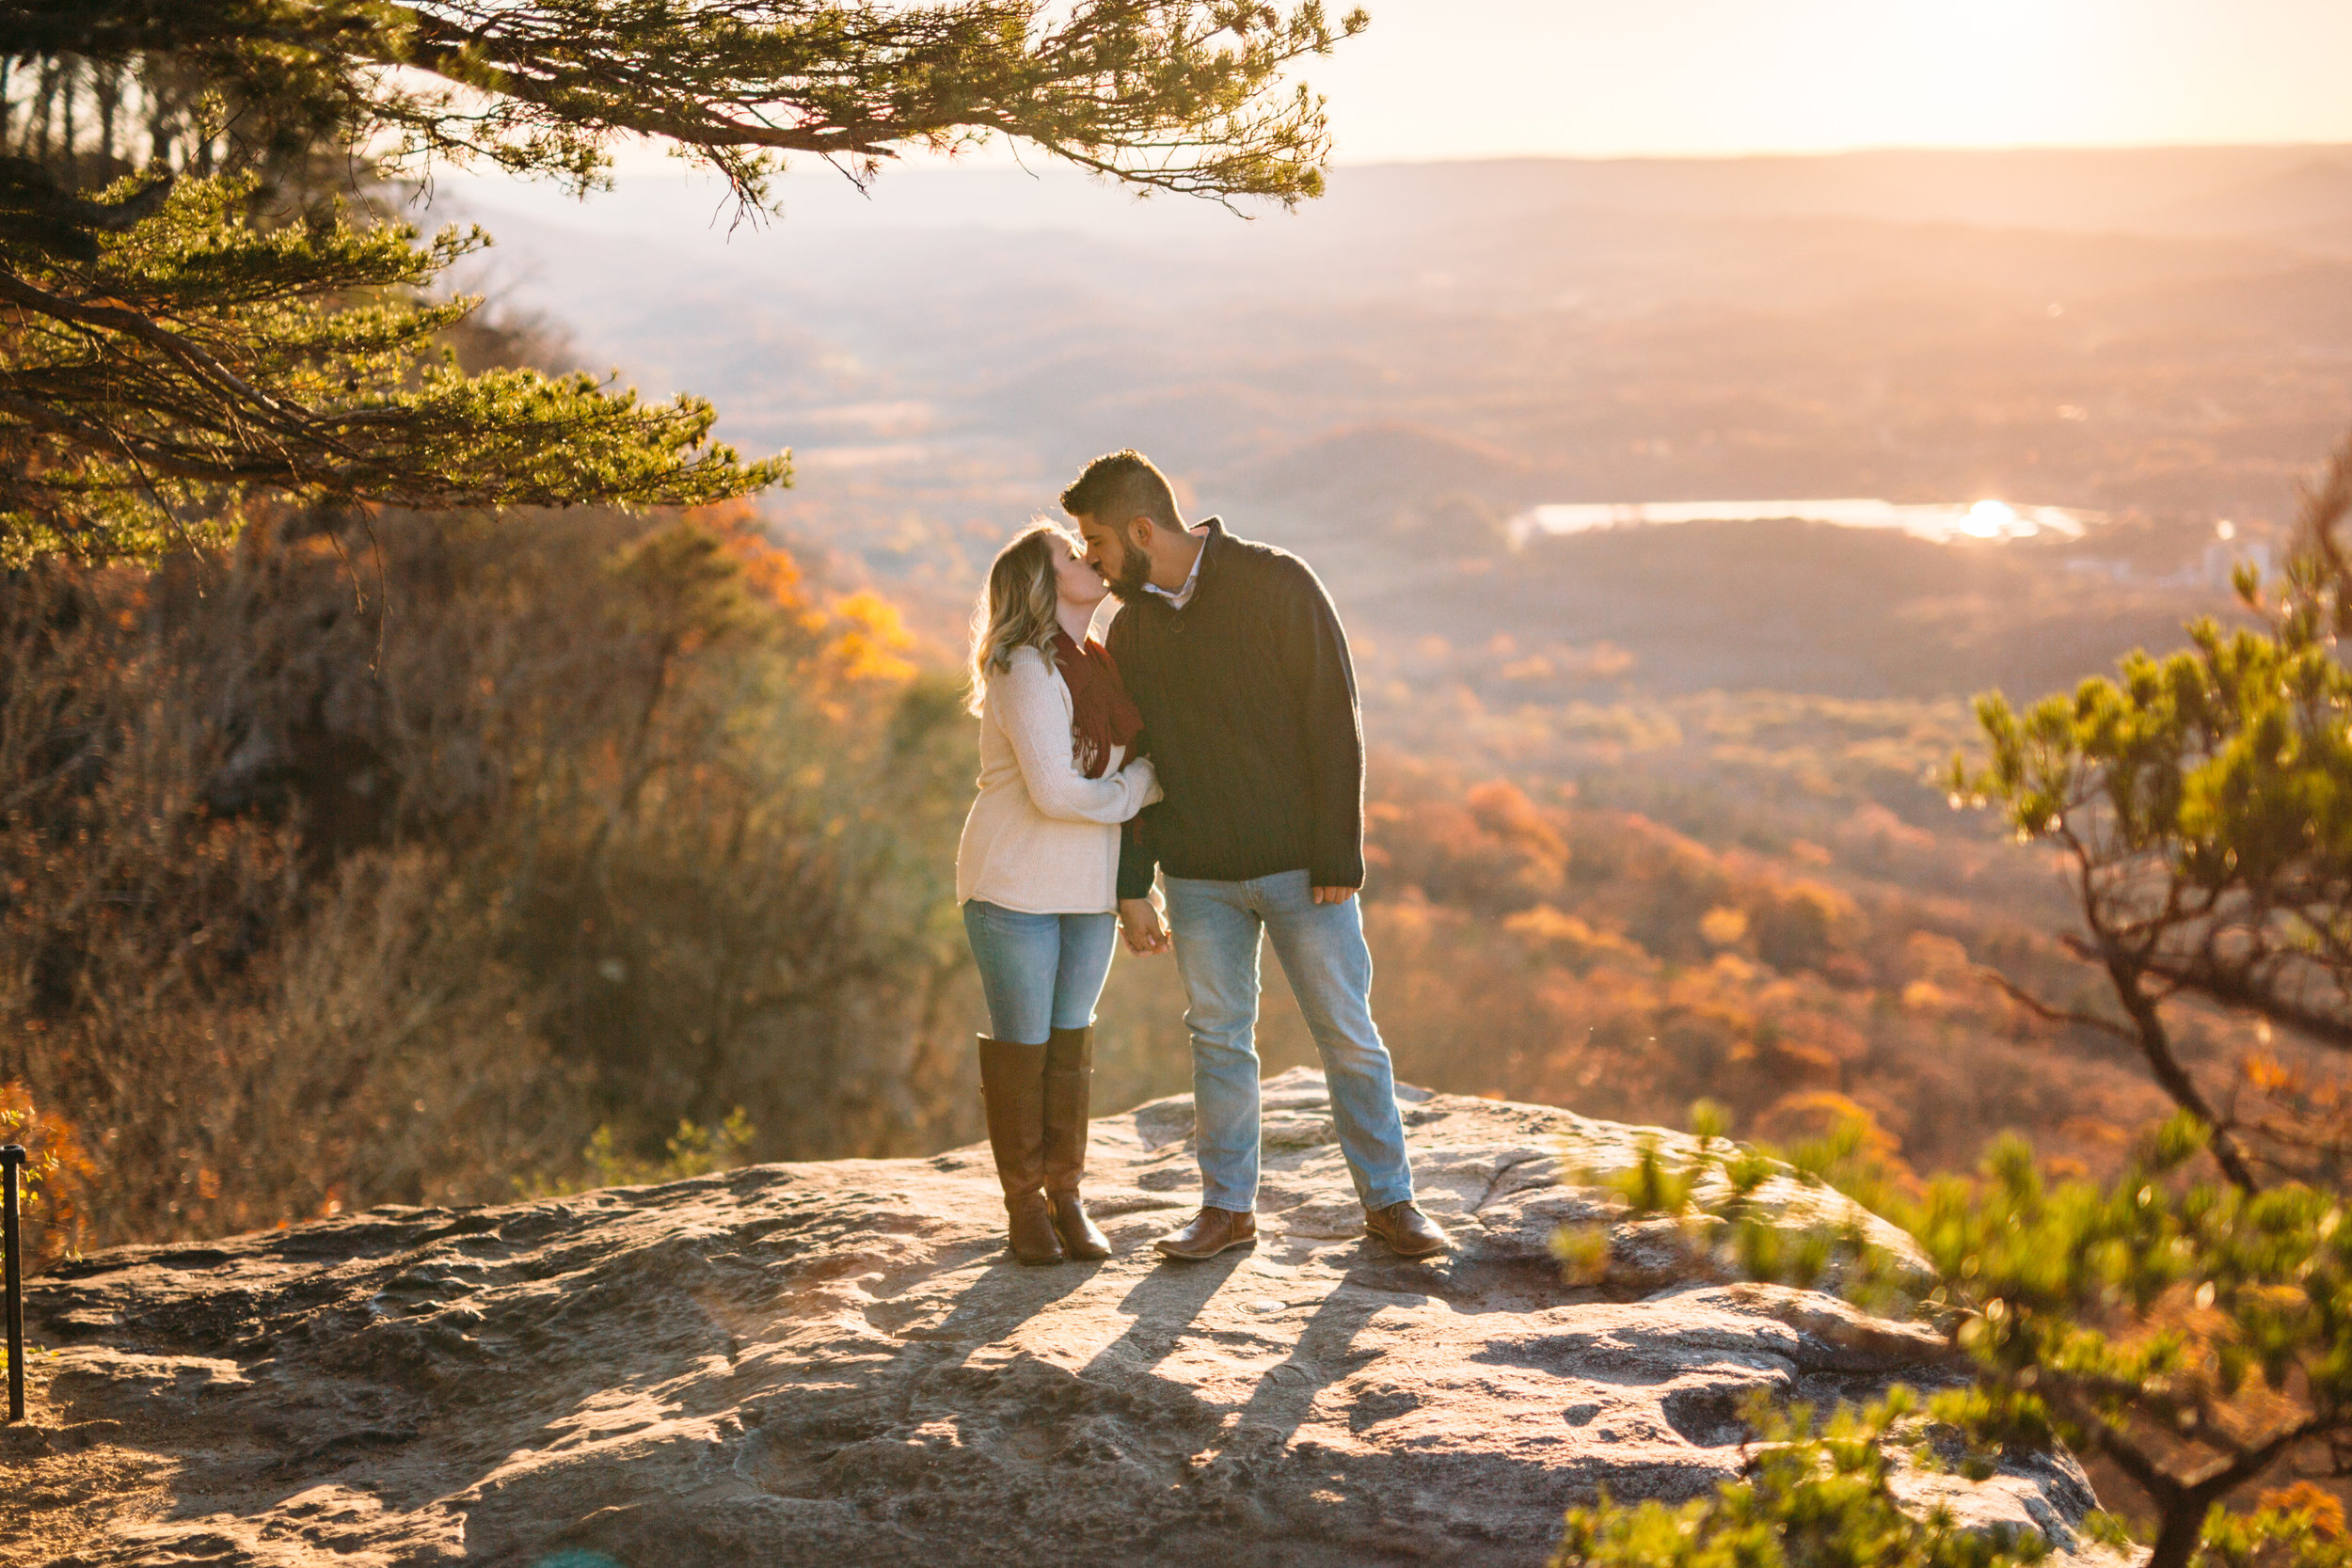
2177,190
1377,469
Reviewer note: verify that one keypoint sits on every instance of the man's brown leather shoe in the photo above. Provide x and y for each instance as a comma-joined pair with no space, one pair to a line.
1407,1232
1211,1232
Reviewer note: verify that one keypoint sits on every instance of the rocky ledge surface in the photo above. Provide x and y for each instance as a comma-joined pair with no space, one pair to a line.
836,1363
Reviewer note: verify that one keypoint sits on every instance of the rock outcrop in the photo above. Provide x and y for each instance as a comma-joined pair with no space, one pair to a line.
836,1363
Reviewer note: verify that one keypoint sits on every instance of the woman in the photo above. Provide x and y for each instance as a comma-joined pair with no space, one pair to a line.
1037,872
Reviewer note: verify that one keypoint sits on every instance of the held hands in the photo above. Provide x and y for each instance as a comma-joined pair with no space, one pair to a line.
1143,924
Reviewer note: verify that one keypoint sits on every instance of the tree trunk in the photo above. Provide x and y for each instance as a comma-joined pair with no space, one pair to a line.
2183,1528
2124,971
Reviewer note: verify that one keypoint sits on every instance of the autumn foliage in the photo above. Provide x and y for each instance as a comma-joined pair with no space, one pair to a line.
1539,949
392,864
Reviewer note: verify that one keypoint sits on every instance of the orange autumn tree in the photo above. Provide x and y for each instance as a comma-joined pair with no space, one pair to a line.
609,822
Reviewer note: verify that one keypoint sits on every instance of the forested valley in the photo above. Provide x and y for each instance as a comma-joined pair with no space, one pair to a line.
487,853
433,773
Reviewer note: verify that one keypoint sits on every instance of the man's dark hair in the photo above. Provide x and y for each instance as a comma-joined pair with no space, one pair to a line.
1120,486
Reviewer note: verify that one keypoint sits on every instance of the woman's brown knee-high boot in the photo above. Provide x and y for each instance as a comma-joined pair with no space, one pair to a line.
1012,1088
1068,1085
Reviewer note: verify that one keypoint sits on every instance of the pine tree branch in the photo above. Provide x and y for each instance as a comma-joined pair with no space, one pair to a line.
155,345
2044,1011
2238,986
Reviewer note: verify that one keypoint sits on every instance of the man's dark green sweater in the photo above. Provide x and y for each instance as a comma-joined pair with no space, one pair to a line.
1249,707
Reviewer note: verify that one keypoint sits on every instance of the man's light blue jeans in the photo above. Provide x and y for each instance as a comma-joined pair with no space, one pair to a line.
1321,946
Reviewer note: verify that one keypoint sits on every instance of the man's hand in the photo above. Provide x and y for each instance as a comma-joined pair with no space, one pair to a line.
1334,894
1140,923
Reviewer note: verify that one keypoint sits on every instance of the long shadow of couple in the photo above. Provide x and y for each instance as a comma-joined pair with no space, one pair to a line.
1164,1307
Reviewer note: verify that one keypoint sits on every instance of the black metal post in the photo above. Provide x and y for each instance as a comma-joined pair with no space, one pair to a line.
11,1161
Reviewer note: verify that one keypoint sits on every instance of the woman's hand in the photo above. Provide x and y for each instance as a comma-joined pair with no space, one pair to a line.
1141,768
1143,924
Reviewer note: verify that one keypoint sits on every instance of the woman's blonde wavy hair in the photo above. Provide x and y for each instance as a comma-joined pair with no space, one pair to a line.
1020,607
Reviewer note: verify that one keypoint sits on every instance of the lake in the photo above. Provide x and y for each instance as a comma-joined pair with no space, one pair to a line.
1943,523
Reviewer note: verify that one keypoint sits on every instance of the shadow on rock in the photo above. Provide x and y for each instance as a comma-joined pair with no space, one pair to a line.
837,1364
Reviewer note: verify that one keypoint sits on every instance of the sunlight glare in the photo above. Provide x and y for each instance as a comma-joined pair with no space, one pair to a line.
1990,519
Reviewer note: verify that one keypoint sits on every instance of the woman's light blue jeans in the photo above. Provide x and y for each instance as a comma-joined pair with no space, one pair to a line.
1321,947
1041,972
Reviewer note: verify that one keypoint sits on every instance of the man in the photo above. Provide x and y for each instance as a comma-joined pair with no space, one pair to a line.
1235,657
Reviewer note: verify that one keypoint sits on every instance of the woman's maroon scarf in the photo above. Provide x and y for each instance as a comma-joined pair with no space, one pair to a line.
1103,715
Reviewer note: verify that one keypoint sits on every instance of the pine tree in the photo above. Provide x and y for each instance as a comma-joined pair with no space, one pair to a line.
2202,803
191,327
2197,1333
2193,1334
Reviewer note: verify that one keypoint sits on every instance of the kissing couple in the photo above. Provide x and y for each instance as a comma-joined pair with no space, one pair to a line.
1213,746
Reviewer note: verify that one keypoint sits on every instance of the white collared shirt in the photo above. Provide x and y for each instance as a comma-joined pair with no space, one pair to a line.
1178,599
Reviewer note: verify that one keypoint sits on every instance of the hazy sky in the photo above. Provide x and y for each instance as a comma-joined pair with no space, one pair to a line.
1460,78
1473,78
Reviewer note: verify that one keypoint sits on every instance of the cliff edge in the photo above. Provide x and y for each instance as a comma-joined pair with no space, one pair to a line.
837,1364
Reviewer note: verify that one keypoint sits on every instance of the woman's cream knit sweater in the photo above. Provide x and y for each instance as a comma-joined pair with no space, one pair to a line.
1043,837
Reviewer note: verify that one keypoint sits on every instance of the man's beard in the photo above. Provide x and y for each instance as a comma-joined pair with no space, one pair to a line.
1134,570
